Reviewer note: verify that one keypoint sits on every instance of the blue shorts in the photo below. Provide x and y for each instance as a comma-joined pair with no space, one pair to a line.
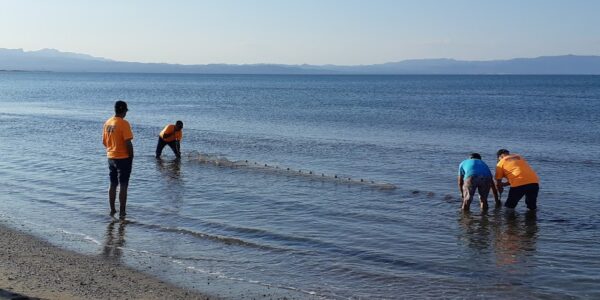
120,170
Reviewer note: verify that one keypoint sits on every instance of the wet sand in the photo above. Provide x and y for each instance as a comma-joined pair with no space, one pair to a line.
34,268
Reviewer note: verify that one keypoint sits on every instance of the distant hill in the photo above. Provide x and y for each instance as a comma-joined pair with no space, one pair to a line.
57,61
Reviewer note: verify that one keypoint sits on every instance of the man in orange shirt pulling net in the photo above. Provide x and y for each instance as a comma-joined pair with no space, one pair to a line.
117,137
522,179
171,135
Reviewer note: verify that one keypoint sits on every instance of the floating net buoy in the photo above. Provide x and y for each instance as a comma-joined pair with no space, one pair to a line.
222,161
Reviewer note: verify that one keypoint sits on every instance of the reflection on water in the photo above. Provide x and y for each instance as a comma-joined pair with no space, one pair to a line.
115,240
172,185
477,230
509,235
171,170
517,240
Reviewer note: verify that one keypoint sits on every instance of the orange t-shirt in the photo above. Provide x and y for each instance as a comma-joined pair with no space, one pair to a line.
169,129
516,170
116,132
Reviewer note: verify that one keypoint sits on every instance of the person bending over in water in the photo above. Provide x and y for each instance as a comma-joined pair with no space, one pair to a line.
171,135
522,179
474,174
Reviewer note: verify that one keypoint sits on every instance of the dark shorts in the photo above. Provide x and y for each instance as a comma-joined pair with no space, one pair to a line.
120,170
530,191
174,145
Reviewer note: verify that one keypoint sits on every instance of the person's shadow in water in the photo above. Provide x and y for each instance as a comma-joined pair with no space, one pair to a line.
510,235
114,241
172,185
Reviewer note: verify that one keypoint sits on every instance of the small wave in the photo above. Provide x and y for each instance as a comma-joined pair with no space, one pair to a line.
198,258
569,160
222,161
84,236
212,237
10,117
220,275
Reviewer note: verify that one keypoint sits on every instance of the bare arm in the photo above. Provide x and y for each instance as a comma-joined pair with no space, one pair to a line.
104,137
129,148
499,185
460,185
499,174
496,198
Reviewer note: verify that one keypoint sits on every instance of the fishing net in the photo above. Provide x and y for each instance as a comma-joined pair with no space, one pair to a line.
222,161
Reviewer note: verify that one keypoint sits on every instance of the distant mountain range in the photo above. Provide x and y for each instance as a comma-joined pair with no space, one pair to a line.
56,61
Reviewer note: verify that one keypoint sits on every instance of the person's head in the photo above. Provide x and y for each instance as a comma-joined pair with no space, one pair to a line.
475,156
501,153
121,108
178,125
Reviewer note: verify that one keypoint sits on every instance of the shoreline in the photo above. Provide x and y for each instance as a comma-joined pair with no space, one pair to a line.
35,268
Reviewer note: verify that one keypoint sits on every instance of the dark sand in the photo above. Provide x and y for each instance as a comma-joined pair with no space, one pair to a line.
35,268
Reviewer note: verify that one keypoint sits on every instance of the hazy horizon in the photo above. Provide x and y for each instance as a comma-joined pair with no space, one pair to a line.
308,32
61,52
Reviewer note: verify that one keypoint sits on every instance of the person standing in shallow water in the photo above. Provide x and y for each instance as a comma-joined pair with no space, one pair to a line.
116,138
475,175
171,135
522,179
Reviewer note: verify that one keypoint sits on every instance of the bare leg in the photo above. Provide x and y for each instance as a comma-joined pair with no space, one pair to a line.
483,188
483,195
483,203
467,199
112,195
468,192
122,199
466,204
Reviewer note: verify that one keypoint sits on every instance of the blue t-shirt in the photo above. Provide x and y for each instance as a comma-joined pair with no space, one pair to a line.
471,167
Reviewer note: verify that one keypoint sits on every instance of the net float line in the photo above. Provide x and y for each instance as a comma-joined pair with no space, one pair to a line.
221,161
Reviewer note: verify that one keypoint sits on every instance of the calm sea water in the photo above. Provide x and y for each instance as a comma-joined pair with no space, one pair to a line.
258,231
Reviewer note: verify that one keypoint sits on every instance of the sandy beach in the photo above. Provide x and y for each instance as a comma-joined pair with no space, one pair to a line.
34,268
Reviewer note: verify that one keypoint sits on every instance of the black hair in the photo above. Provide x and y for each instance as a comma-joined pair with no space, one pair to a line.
120,107
502,151
179,123
475,155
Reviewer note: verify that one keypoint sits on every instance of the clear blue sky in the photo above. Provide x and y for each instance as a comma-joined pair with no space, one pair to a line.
302,31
